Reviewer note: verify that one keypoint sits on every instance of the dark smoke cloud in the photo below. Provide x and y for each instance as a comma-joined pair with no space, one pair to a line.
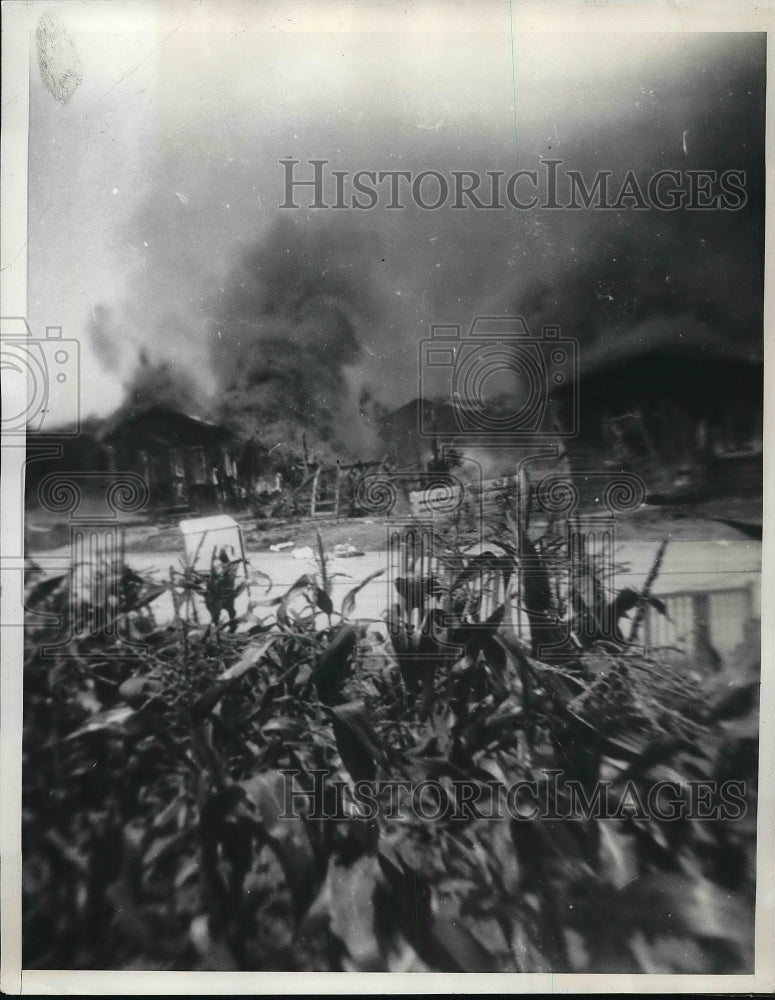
147,379
604,272
288,329
292,319
160,384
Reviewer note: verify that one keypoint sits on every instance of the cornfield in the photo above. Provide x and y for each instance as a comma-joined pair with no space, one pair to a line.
195,790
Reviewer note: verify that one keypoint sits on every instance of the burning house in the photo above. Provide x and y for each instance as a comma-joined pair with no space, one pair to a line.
399,431
61,454
188,462
682,411
680,408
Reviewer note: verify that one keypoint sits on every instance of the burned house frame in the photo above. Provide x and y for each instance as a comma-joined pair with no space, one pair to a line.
685,414
187,462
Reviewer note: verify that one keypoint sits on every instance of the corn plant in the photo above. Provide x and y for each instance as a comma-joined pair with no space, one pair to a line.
157,833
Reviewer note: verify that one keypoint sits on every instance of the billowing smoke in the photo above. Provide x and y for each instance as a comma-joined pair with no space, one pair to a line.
297,322
161,384
600,273
147,380
106,338
288,330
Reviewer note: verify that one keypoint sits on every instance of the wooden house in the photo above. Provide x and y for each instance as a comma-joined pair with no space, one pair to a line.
187,462
683,412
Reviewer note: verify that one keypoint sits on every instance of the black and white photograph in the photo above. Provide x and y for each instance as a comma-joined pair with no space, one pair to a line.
385,484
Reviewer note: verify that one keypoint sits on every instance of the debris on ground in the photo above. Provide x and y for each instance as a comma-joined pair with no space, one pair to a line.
346,550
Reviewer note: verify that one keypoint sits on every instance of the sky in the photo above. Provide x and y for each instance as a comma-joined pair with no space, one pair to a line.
154,222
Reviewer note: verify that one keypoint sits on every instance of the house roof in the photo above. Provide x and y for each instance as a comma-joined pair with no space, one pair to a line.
439,414
122,421
666,338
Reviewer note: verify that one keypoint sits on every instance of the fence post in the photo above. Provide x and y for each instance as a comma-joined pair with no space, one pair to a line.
313,501
700,630
337,489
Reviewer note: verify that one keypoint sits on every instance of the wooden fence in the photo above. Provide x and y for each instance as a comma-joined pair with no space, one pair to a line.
699,621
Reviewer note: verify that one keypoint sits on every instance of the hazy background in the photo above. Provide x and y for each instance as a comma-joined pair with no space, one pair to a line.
155,235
